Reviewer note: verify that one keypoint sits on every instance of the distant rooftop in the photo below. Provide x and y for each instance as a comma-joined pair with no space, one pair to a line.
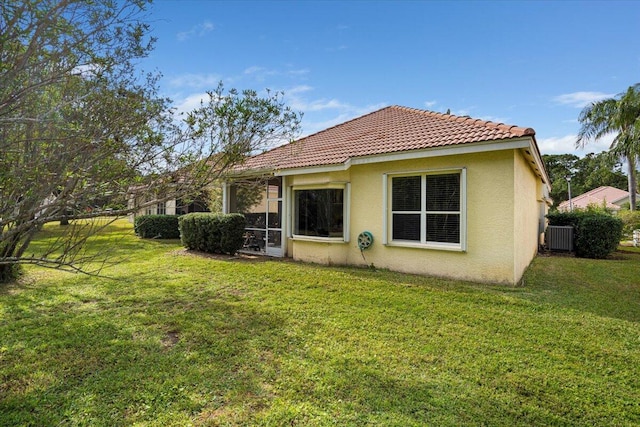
612,198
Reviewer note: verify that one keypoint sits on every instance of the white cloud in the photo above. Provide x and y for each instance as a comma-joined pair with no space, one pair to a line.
298,73
260,74
86,70
298,89
198,30
253,70
322,104
319,114
430,104
190,102
297,101
311,127
581,99
567,144
196,81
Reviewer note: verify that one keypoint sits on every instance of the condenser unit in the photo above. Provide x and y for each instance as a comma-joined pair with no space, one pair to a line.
559,238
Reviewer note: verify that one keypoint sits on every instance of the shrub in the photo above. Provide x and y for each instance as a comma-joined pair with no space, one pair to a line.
596,235
212,233
565,218
157,226
631,221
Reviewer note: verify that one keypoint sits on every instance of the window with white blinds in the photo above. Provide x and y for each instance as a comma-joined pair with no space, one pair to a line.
427,208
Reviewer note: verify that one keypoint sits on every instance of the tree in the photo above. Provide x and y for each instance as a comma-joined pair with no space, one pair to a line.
587,173
235,124
602,169
80,125
620,116
559,167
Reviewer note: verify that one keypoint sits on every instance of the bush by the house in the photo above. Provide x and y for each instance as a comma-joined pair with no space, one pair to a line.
157,226
596,234
565,218
212,233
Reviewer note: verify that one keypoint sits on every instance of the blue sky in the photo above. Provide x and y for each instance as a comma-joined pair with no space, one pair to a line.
532,64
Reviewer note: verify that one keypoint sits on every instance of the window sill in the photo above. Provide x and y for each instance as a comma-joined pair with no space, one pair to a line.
452,247
317,239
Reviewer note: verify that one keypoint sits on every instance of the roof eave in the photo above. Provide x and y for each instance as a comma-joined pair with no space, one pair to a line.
525,142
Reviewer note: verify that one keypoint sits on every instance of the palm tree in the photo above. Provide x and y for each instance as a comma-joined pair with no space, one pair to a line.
619,115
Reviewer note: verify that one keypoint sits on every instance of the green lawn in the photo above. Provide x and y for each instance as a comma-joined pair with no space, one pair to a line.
177,339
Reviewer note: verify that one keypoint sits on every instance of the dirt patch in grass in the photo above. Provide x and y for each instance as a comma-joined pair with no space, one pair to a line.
547,253
170,339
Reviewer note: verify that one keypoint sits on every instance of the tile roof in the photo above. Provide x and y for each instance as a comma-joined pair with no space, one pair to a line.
389,130
609,195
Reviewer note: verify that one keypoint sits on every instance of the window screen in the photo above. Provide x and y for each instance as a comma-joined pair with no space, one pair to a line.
319,212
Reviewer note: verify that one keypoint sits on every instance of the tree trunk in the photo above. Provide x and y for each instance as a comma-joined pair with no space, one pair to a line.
633,187
9,272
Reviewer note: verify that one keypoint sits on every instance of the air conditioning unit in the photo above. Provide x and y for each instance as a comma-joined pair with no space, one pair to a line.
559,238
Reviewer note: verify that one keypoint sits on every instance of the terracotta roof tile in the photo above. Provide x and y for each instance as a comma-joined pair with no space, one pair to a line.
389,130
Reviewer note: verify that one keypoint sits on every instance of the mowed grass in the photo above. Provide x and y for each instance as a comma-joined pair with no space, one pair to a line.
173,338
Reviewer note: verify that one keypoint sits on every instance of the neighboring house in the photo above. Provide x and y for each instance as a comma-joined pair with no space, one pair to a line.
149,206
609,197
441,195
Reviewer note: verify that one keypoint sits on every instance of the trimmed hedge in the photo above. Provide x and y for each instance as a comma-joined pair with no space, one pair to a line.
212,233
596,235
157,226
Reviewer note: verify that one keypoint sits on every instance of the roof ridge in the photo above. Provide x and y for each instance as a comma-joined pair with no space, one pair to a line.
601,188
300,140
472,121
344,123
593,195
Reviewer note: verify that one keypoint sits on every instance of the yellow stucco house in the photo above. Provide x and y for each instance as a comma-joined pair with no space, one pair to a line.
406,190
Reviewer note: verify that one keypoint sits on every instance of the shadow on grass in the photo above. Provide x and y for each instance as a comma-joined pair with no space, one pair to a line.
84,357
604,287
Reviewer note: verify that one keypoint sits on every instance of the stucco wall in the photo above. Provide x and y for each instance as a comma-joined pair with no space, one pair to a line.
526,213
501,219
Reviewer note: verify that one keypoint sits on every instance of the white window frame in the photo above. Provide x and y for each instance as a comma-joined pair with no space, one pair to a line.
423,244
161,208
346,212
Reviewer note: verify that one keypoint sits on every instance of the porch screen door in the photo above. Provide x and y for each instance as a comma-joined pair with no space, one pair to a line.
274,215
263,232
